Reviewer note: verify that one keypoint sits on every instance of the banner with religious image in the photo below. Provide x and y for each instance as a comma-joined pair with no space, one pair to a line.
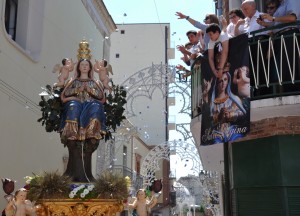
226,98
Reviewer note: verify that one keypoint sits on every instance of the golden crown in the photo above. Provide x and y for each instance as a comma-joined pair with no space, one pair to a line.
84,51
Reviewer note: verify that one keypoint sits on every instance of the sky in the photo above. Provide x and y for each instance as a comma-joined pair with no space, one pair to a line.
163,11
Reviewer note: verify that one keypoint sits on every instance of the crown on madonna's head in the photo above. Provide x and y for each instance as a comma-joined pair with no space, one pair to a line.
84,51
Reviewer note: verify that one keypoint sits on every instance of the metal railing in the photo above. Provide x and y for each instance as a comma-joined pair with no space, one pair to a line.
136,179
196,88
274,66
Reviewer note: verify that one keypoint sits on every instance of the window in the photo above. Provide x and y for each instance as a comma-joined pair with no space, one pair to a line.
125,156
122,31
11,11
117,55
24,25
138,159
138,167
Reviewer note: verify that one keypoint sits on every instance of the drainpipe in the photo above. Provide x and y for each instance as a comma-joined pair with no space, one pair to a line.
166,82
218,7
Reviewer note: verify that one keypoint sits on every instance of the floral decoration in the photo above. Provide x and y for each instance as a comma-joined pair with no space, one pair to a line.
54,185
82,191
47,186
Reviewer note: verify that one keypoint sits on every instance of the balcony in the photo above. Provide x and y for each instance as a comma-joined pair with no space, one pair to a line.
136,179
271,77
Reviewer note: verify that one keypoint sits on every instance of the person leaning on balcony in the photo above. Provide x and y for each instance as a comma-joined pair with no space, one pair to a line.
209,18
190,51
194,51
234,16
217,50
271,6
250,24
185,56
186,71
287,12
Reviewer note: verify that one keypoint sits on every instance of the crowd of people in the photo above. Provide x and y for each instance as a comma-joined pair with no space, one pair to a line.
244,20
225,89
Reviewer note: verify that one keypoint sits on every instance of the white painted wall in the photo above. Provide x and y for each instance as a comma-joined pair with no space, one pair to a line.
26,147
139,47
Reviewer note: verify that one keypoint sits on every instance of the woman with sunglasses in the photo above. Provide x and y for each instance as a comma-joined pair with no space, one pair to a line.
209,18
234,16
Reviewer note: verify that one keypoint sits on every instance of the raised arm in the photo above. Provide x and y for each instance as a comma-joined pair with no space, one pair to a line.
236,27
133,205
224,54
182,16
9,210
152,202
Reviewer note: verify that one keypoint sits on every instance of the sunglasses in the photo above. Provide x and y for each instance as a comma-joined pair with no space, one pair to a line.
232,17
206,18
271,8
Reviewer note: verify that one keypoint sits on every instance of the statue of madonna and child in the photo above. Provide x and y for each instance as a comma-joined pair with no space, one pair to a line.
83,117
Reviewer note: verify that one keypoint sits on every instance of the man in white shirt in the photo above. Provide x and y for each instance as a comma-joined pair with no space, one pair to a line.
250,24
194,51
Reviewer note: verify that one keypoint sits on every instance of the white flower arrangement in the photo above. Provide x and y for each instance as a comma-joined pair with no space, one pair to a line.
81,190
29,179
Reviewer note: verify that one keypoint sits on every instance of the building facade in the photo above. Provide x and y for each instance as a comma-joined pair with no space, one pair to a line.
139,54
35,36
259,169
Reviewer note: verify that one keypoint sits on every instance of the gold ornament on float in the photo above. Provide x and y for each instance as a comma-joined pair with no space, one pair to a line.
84,51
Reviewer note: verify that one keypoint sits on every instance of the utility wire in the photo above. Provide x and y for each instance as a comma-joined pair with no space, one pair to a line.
162,32
14,94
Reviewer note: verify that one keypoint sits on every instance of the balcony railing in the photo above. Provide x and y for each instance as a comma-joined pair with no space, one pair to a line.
270,76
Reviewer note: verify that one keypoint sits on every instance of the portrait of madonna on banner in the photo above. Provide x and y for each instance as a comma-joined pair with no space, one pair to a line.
226,94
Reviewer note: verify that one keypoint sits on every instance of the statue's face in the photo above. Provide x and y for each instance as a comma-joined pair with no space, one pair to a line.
83,45
141,195
102,63
68,61
21,196
84,67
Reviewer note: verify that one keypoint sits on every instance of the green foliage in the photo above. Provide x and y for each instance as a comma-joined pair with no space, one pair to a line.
56,186
114,107
52,108
201,208
111,186
47,186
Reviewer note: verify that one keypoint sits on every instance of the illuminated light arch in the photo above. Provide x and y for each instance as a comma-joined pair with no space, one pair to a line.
160,77
186,151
